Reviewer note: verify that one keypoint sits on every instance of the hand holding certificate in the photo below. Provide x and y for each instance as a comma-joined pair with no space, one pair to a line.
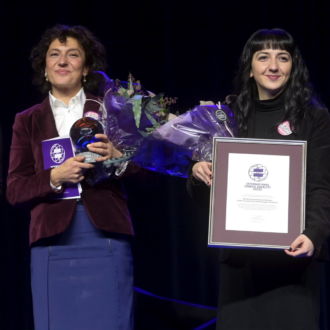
302,246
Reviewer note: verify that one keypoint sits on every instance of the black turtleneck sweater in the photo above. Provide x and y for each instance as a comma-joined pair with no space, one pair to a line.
265,117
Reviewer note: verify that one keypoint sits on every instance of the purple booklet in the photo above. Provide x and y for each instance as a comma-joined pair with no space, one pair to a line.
55,151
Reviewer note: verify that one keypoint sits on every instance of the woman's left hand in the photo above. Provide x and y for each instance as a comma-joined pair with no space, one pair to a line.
104,148
302,246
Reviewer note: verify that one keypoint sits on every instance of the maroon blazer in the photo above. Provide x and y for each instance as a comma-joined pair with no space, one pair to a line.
29,184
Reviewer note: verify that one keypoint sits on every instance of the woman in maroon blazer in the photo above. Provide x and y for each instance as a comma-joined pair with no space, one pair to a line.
81,264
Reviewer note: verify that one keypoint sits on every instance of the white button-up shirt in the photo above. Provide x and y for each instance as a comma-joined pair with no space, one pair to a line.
66,114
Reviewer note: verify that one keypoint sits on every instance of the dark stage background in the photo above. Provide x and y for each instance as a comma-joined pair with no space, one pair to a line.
185,50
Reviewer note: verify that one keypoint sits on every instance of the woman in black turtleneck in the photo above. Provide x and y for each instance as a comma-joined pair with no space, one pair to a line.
266,289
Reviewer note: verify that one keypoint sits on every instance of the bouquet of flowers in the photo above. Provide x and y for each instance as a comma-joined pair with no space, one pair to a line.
133,113
139,124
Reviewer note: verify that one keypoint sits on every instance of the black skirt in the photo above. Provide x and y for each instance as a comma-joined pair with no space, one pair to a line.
262,289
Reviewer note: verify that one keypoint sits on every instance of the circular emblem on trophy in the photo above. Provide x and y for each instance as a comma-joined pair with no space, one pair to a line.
258,172
221,115
57,153
83,133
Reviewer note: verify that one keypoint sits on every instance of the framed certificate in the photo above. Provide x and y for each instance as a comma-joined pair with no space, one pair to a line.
257,193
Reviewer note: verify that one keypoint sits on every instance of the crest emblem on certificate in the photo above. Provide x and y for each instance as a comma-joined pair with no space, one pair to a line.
258,172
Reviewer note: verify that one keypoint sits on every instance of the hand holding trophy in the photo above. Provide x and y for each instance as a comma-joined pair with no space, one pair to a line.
88,136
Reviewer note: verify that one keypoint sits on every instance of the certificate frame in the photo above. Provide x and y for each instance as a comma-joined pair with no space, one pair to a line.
223,148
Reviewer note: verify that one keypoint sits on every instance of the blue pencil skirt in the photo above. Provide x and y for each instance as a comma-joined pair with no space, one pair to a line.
84,281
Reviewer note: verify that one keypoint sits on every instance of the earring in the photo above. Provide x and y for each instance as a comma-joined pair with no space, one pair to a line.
84,80
46,76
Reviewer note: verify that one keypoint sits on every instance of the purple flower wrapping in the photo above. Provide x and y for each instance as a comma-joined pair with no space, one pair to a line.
171,148
120,122
124,129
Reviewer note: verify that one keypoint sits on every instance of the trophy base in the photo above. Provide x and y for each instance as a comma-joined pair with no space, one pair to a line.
90,157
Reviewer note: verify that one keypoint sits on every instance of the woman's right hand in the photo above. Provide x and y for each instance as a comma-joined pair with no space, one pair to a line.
203,171
72,171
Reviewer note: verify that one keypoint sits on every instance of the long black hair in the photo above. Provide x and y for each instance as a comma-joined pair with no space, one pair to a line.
95,55
297,92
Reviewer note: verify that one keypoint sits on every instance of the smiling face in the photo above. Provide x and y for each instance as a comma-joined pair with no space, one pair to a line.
65,67
271,69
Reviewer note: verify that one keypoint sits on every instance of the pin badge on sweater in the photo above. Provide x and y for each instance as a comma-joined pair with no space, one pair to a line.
284,128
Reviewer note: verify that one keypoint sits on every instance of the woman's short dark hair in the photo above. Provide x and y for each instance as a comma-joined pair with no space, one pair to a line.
95,55
298,92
